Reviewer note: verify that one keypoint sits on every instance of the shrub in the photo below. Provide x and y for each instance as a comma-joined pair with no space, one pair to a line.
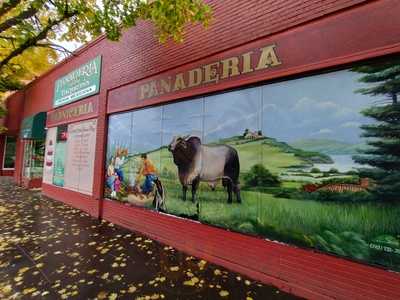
315,170
346,243
352,172
333,170
351,180
259,176
344,197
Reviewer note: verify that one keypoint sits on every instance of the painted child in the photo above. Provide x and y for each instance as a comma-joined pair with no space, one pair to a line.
119,161
111,177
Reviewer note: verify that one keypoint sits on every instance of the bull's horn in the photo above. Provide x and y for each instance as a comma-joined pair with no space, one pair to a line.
186,137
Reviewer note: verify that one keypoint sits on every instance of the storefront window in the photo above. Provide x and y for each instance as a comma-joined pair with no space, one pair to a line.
312,161
9,153
33,158
70,154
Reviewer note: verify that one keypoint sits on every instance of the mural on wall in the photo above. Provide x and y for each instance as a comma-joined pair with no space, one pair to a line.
313,161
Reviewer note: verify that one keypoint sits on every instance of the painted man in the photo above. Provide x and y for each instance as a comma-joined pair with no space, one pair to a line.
148,170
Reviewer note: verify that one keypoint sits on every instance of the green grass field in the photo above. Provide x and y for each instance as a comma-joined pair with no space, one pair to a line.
341,228
285,215
302,222
262,211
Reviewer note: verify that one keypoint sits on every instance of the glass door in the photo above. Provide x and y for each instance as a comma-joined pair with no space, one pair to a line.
33,158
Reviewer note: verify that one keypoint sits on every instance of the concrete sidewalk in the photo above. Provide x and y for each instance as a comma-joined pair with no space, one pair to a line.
51,251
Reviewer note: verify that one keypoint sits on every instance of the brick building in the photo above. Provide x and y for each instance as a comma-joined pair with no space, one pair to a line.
79,131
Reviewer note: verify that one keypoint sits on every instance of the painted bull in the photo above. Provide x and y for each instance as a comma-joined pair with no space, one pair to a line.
197,162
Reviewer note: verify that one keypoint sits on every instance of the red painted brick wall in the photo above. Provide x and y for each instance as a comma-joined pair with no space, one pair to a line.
2,152
138,55
78,200
15,107
235,22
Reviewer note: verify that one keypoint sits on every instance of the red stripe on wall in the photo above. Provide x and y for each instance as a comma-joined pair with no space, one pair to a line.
77,200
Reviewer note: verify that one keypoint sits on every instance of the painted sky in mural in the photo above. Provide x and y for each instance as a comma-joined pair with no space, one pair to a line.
321,108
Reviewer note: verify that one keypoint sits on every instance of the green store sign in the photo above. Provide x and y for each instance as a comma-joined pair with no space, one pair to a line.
80,83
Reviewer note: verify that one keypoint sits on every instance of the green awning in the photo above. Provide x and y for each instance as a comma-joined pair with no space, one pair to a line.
33,127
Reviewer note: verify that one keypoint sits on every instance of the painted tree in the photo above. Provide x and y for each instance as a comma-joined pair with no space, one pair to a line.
384,134
28,28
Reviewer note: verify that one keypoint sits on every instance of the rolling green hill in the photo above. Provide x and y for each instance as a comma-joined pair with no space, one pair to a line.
274,155
327,146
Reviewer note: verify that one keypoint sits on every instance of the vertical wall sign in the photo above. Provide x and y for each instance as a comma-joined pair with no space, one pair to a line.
51,139
80,83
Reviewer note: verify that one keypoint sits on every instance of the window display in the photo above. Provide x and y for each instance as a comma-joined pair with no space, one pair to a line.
9,152
33,158
80,155
51,141
70,155
313,161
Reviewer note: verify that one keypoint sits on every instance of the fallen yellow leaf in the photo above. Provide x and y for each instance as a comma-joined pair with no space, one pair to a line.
28,291
217,272
195,279
6,289
132,289
189,274
23,270
189,282
102,295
